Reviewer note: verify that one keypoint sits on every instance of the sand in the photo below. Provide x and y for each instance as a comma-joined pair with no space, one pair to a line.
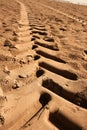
43,65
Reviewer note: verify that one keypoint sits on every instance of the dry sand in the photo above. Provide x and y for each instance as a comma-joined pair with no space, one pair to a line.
43,65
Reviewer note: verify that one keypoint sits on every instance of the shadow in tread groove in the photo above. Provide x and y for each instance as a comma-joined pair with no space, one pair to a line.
64,73
59,90
39,32
50,56
85,51
62,122
34,47
36,57
40,28
44,99
47,46
39,73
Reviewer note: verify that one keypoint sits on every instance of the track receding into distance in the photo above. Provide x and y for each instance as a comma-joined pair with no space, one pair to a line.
47,71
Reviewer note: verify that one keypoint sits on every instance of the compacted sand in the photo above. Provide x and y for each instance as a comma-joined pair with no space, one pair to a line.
43,65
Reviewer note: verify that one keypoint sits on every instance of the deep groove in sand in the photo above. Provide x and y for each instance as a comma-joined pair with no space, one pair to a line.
64,73
62,122
39,32
36,57
39,28
39,73
44,54
47,46
34,47
85,51
60,91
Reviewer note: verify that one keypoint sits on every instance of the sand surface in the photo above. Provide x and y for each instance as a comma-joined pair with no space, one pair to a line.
43,65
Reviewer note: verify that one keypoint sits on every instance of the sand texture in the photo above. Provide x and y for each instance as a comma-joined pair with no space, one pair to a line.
43,65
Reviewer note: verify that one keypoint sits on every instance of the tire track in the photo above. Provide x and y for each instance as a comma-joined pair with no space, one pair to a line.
47,70
65,14
41,64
